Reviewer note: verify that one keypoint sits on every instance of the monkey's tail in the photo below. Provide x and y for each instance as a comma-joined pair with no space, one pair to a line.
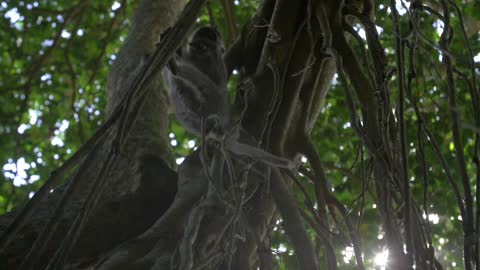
260,155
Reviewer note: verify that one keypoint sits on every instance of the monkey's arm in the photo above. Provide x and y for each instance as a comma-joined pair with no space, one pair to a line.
187,84
260,155
187,102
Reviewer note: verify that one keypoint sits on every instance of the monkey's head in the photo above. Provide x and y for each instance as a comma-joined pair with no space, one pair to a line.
206,41
205,50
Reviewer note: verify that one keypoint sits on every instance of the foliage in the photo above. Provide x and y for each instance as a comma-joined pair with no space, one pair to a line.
54,63
56,56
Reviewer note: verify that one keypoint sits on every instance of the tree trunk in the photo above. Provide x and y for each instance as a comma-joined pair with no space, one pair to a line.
141,184
218,210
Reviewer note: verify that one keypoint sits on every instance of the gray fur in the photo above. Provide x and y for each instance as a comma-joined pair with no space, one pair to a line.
198,90
197,82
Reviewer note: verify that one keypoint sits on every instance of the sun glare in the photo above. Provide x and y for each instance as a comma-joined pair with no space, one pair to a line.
381,259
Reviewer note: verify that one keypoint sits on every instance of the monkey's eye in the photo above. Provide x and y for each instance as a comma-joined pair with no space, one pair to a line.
199,46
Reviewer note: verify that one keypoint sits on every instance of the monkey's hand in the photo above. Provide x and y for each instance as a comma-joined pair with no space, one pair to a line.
172,65
164,34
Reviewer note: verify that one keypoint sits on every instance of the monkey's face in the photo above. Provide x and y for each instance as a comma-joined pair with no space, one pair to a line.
206,43
205,51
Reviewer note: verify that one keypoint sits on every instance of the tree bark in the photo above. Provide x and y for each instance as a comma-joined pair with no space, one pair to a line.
224,209
141,184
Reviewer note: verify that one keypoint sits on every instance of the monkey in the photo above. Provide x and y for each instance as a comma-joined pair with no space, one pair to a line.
197,78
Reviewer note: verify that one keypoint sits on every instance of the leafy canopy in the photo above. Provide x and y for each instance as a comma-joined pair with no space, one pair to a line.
55,57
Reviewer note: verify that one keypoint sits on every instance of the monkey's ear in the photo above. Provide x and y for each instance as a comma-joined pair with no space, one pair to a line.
216,31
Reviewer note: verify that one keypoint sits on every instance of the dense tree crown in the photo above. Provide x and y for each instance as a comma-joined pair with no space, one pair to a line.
421,60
